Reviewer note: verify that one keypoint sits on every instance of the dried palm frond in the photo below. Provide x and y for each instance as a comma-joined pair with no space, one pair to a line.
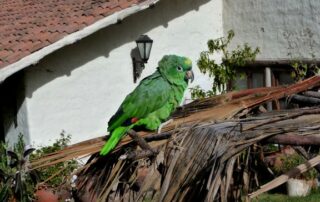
197,164
210,109
198,158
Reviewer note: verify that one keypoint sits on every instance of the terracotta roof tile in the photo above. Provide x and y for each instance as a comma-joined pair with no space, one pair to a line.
29,25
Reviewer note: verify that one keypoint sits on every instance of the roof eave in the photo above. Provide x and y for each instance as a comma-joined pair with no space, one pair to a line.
35,57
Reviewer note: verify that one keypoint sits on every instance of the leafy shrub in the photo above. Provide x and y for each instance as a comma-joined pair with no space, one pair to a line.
225,71
56,174
17,180
302,71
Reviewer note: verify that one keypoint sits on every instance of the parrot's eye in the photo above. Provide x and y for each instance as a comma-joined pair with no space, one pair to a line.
179,68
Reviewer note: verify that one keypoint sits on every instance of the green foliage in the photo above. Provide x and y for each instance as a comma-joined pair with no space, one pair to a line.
60,171
225,71
5,174
313,197
17,181
197,92
301,71
291,161
270,148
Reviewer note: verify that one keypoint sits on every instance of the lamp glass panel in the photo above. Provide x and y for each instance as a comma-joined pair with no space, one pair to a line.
141,49
148,50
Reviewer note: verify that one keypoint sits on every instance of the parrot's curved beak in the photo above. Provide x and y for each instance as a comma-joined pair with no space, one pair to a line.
189,75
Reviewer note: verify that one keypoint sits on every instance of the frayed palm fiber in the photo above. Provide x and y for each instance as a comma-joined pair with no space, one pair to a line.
196,164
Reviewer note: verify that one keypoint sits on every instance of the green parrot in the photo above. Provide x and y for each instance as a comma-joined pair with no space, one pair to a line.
152,101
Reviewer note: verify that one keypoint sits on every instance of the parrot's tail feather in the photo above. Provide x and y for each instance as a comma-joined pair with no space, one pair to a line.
112,142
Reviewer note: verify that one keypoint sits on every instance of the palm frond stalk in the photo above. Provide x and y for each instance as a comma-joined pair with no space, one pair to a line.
205,153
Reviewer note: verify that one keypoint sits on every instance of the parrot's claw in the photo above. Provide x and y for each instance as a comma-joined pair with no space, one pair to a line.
164,124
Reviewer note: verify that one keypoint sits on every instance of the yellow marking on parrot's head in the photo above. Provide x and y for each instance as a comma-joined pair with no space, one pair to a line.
188,62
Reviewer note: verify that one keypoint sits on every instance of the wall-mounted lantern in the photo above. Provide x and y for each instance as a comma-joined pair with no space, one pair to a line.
144,44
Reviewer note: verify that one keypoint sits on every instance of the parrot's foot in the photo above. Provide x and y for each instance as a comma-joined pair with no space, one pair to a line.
142,143
164,124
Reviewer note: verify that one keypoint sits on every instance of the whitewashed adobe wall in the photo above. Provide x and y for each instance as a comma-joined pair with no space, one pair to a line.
77,89
283,29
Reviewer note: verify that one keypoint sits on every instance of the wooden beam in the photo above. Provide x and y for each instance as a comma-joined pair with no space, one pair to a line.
312,94
297,140
302,99
285,177
284,63
300,150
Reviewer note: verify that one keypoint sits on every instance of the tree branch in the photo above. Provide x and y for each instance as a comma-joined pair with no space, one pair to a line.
135,155
140,141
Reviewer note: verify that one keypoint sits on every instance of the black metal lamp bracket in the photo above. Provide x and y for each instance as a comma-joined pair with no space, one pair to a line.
138,66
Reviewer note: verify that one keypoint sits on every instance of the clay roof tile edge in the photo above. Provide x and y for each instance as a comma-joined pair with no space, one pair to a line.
35,57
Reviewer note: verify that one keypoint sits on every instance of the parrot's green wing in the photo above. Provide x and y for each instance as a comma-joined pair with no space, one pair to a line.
152,101
152,93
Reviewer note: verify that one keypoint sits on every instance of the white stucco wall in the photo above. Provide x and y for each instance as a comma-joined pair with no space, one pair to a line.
77,89
283,29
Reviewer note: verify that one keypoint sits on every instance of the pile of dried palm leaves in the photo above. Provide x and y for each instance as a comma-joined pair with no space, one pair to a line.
205,153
